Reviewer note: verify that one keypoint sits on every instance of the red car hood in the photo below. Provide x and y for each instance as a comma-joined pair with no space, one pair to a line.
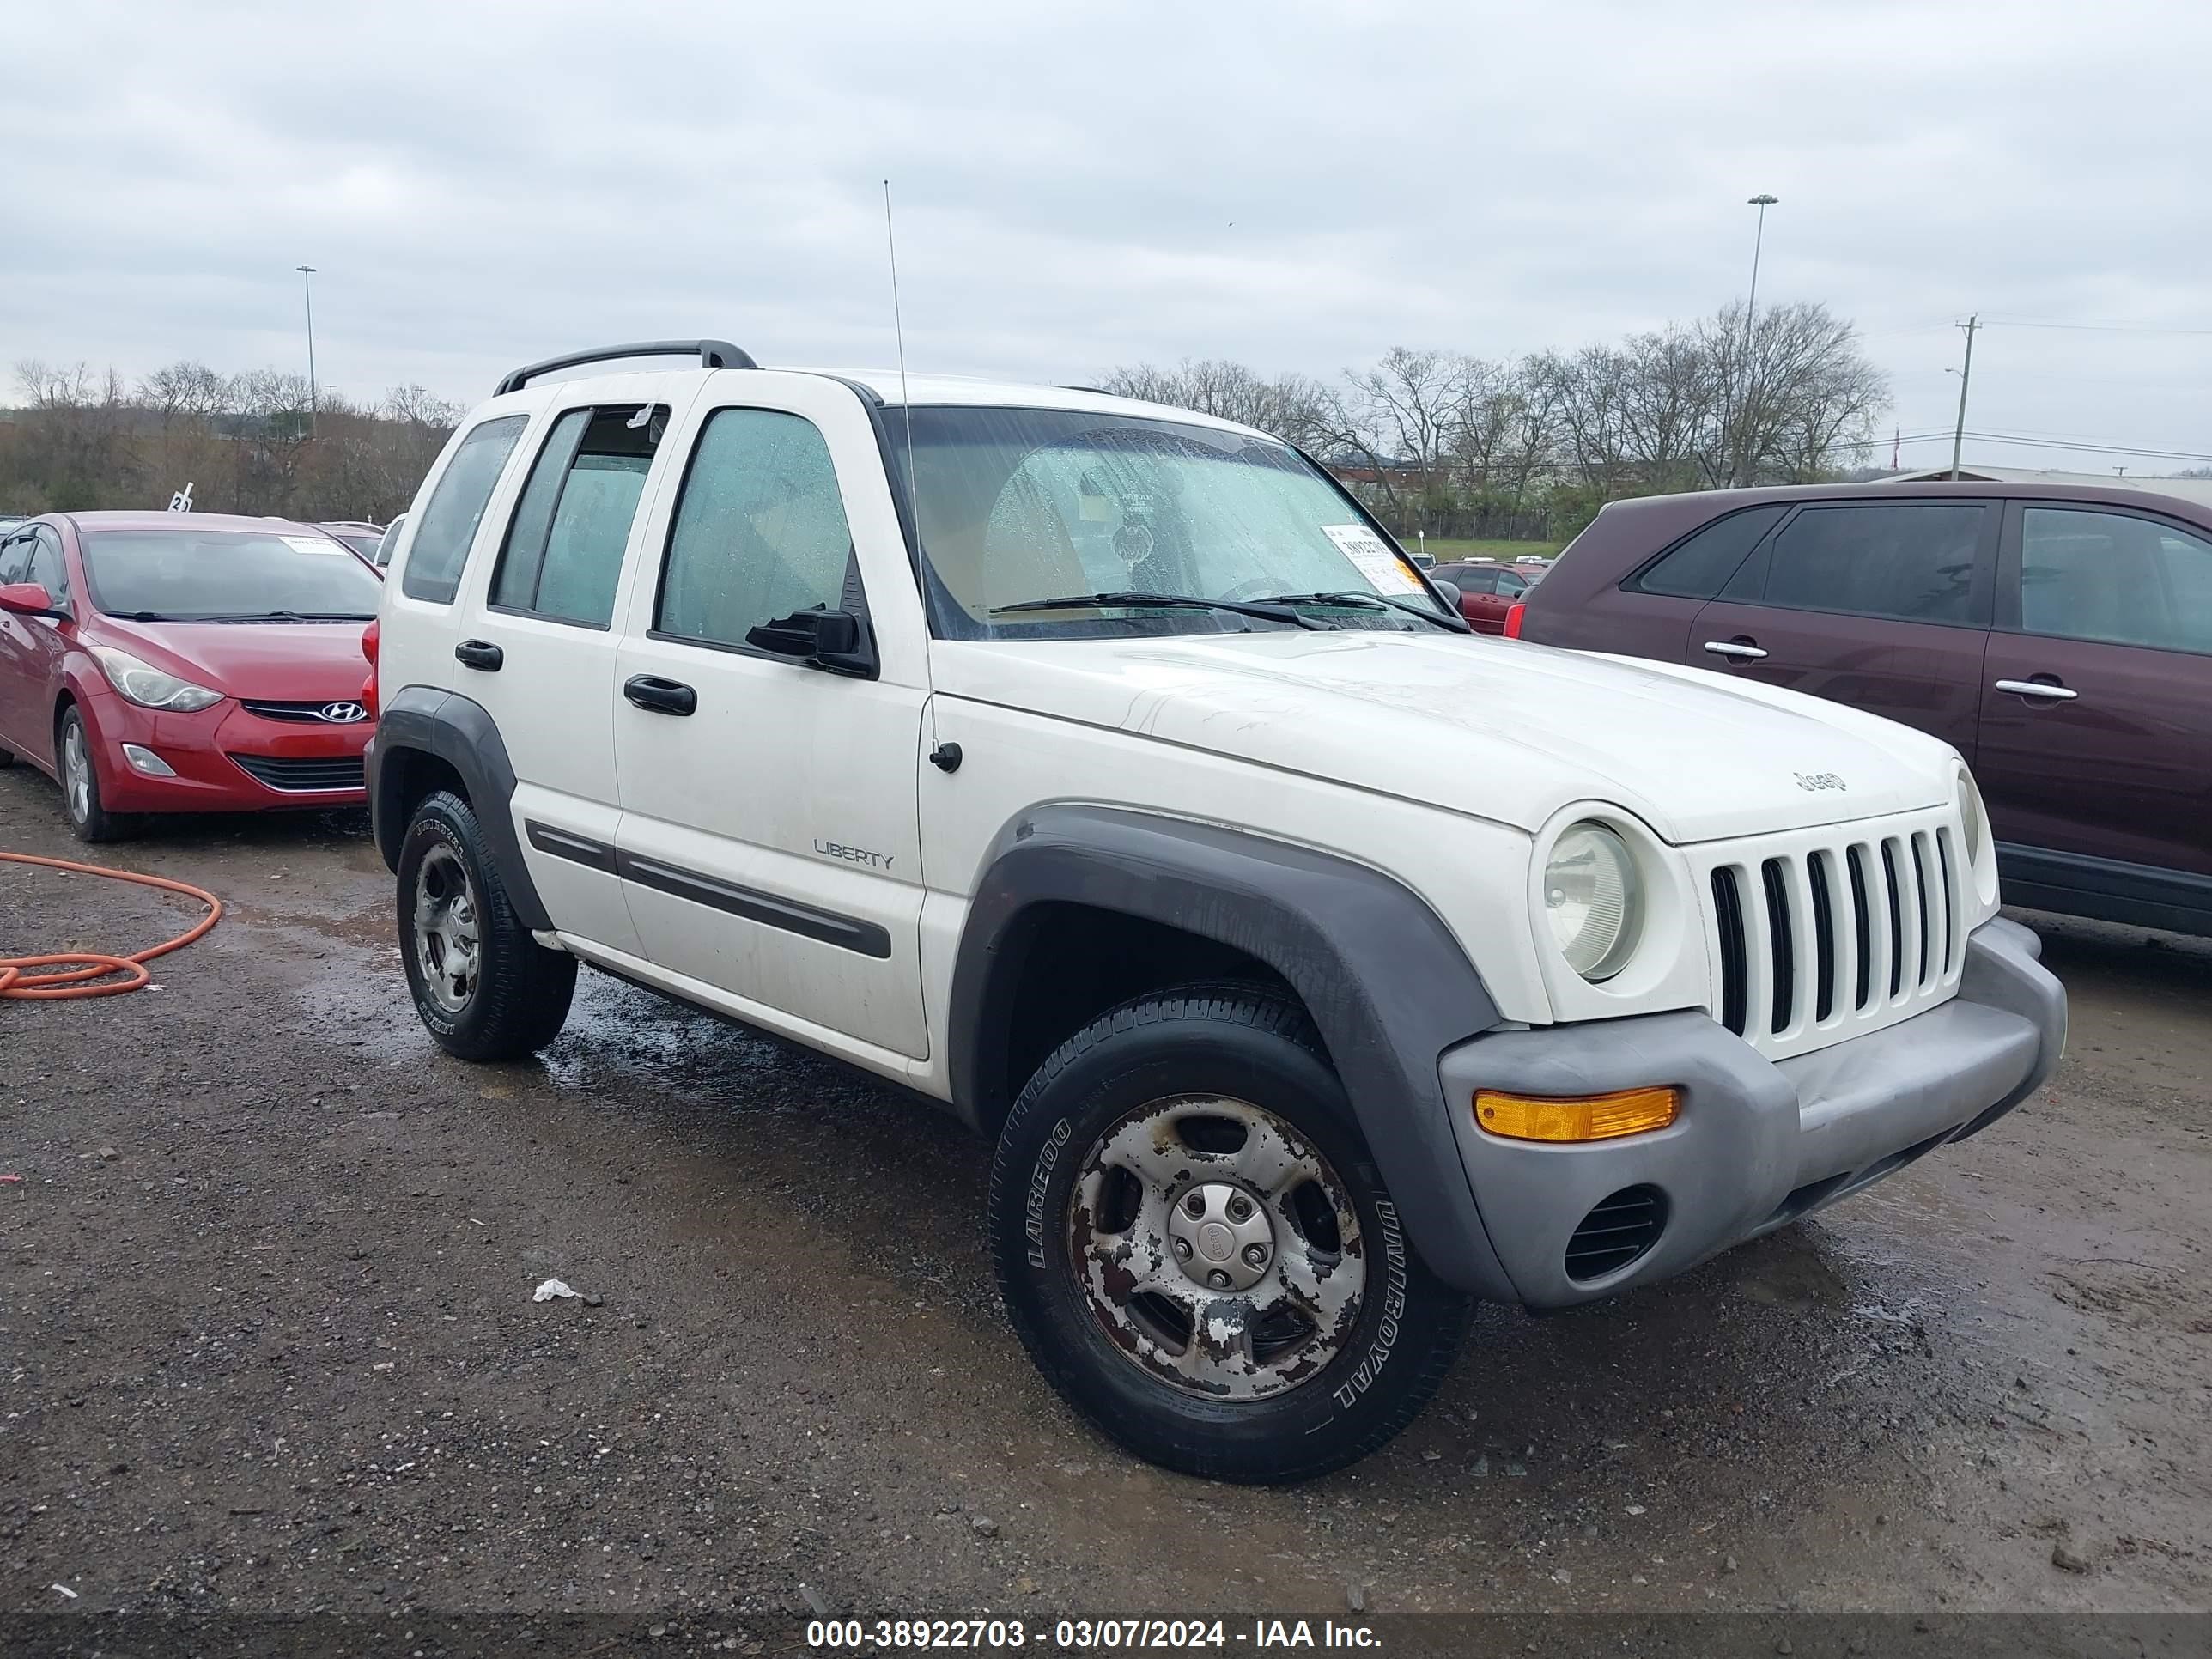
276,661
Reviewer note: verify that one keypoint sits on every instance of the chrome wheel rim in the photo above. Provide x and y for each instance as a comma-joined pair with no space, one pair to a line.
76,772
1216,1248
447,949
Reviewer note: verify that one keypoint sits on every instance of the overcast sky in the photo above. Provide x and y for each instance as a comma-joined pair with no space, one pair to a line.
1298,185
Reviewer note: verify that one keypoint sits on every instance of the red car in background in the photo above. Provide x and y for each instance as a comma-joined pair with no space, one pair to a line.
178,662
1487,591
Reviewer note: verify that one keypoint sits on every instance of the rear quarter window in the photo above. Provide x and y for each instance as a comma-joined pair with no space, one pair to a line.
1699,566
448,527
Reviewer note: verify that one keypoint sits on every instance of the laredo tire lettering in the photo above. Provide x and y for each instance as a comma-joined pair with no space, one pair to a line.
1040,1179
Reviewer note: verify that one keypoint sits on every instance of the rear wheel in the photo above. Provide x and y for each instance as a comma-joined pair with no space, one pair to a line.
1198,1250
80,781
484,987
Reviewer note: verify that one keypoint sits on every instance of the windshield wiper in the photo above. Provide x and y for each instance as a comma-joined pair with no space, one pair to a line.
141,616
1450,623
1264,610
288,616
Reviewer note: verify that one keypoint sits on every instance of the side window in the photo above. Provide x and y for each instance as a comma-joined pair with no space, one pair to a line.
563,553
1511,585
457,506
1912,562
2114,577
1699,568
48,569
15,559
759,529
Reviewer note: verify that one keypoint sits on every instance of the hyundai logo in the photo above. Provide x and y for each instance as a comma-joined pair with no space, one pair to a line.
342,713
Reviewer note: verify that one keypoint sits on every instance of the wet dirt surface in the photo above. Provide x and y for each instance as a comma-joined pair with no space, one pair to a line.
266,1339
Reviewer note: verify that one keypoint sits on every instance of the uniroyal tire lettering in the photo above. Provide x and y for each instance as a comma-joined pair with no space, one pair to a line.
1393,1306
1040,1178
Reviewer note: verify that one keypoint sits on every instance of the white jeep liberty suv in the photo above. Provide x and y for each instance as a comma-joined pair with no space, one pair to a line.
1104,773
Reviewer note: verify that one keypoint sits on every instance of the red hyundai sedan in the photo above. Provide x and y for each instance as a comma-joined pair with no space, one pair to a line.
181,662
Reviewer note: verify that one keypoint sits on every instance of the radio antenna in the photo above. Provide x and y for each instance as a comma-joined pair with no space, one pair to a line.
898,330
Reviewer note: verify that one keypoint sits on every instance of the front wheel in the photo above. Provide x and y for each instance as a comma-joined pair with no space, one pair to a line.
1197,1249
80,780
484,988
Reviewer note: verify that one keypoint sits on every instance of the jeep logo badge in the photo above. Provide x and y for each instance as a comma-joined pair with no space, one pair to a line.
342,713
1819,781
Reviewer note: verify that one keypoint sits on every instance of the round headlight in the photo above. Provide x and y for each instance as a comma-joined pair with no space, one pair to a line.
1970,815
1593,900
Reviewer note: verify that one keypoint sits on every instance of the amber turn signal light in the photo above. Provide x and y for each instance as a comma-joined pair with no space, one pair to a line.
1580,1117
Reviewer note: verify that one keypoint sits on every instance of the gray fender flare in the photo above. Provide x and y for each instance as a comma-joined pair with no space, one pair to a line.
463,734
1387,984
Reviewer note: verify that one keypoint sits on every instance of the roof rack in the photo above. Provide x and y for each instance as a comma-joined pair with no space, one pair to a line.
711,353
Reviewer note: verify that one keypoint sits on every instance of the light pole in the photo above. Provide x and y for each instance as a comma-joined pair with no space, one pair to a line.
1762,202
307,289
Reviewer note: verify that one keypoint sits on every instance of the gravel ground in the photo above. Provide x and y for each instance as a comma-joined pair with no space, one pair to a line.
268,1343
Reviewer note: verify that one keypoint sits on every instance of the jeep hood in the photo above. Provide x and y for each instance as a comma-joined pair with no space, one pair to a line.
1497,729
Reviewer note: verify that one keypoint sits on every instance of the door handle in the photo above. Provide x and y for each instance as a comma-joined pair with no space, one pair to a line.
479,654
1736,650
2048,688
661,696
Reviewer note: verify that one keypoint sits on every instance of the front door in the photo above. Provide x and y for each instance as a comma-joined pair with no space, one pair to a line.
769,841
31,647
2097,704
1884,606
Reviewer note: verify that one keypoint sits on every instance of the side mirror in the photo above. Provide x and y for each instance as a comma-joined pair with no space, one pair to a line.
27,599
1449,590
828,639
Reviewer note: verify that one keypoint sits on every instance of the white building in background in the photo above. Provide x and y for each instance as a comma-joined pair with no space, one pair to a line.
2187,489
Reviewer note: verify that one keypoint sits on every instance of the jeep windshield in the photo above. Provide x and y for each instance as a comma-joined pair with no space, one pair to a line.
227,575
1137,526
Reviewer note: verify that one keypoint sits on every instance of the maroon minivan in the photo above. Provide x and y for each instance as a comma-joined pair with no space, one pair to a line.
2060,637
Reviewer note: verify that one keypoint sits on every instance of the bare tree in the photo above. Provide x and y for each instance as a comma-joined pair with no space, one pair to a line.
1292,406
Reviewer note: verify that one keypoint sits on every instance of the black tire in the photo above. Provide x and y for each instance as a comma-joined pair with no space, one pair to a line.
7,757
1385,1354
88,820
514,999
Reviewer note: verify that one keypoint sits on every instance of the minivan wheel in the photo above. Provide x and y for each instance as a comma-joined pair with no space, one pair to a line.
80,781
484,987
1197,1249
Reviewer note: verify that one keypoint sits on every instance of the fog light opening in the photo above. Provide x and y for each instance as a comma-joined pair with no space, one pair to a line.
1618,1231
1574,1118
146,760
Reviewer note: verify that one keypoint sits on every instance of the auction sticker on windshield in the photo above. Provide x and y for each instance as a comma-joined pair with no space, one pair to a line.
312,544
1373,556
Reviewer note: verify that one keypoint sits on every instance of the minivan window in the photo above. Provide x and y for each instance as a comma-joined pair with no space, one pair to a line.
1699,568
563,554
442,540
759,529
2114,577
1912,562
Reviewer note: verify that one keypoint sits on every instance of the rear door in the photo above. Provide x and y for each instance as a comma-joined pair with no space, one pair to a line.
2097,701
1884,606
537,643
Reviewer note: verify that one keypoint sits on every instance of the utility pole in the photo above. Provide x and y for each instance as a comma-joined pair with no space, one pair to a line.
1965,374
1729,433
307,288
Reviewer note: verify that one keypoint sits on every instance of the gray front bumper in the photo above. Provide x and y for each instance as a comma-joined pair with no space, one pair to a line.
1757,1143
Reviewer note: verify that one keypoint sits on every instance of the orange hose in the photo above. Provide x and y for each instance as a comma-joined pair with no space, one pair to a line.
90,973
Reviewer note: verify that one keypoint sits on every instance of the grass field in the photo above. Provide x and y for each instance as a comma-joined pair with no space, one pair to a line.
1440,549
